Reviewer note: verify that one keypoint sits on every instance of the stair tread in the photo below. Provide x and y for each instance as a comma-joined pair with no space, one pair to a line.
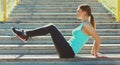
108,23
68,32
48,40
68,29
54,21
65,36
54,57
59,14
51,46
66,25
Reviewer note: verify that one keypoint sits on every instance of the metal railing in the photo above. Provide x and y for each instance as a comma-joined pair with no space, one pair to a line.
113,6
6,6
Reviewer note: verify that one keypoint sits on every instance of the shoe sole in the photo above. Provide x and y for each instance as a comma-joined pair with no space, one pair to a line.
19,37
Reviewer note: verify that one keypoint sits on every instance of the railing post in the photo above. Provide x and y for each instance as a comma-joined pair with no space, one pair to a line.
99,0
17,2
5,10
118,10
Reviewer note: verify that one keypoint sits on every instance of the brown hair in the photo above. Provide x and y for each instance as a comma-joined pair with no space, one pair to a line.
85,7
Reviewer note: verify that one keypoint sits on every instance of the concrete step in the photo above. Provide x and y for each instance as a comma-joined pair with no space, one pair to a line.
57,15
51,20
48,40
59,1
53,11
68,32
76,4
29,2
55,59
66,62
17,16
99,9
48,5
58,25
52,6
60,14
50,49
57,21
56,18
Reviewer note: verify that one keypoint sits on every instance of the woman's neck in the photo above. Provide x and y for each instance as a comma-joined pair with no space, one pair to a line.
85,18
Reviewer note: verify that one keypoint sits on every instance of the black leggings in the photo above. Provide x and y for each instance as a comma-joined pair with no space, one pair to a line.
63,48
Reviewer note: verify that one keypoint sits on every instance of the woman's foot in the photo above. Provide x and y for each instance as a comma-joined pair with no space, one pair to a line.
20,34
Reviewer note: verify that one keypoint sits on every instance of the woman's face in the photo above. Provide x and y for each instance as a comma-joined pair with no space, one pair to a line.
80,13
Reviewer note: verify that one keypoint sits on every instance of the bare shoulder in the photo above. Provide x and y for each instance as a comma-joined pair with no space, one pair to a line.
88,26
90,29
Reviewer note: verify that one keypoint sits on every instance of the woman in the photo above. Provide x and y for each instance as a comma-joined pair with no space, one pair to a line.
68,49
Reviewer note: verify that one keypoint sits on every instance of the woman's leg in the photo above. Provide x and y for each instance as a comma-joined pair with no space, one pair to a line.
63,48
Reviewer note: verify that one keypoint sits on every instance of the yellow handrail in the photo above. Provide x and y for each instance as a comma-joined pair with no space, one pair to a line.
7,7
4,11
99,0
17,2
113,6
118,10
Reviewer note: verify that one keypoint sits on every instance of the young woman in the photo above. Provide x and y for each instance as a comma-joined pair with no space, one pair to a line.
80,35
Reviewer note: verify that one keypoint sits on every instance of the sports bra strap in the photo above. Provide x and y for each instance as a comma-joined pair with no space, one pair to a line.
82,26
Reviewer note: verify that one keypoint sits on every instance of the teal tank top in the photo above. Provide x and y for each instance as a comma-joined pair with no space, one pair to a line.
78,39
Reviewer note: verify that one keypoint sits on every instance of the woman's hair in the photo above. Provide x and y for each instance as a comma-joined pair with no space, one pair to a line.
85,7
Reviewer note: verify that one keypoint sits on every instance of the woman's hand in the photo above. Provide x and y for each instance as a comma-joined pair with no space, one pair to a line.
98,55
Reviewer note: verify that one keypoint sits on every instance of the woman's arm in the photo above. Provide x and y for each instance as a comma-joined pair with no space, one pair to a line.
95,25
97,40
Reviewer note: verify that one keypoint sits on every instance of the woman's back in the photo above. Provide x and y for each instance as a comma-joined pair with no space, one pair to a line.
78,39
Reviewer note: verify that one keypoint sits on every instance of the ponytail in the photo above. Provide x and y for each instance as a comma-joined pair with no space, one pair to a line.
92,20
86,8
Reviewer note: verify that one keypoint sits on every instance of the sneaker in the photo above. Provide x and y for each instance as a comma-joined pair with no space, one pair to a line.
20,34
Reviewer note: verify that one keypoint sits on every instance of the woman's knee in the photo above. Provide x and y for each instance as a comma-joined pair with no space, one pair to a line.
52,26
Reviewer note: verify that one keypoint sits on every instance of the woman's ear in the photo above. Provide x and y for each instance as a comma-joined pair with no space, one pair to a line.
84,13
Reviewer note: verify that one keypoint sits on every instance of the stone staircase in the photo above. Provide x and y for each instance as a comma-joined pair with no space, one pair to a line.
31,14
